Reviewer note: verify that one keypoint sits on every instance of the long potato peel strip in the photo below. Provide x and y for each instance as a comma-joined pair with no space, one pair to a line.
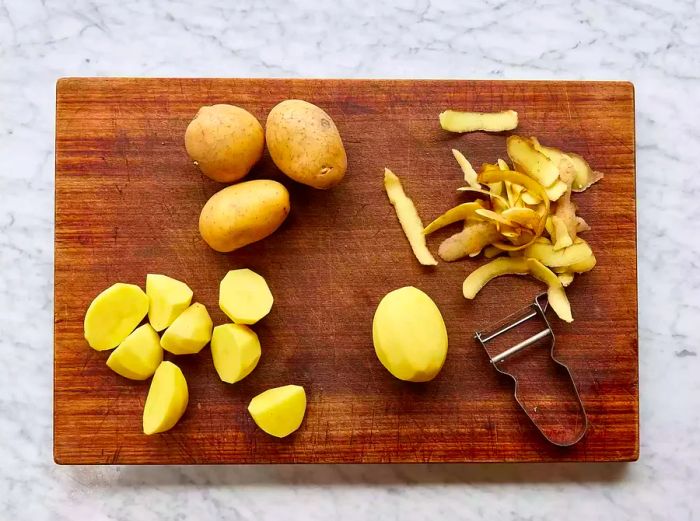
555,290
408,217
456,121
529,184
481,276
520,266
470,175
460,212
482,191
549,256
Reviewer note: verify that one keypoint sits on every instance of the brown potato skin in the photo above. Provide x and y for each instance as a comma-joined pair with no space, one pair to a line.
305,144
225,142
243,213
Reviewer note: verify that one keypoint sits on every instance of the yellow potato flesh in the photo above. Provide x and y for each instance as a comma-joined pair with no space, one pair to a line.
470,176
461,212
113,315
549,256
189,333
279,411
533,163
167,299
409,334
408,218
235,350
167,399
139,354
530,198
456,121
244,296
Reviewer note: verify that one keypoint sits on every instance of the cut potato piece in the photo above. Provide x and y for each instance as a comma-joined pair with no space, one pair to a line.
235,350
189,333
555,291
244,296
478,278
113,315
167,299
461,212
470,176
561,234
409,335
547,255
408,218
531,162
456,121
471,240
279,411
139,354
167,399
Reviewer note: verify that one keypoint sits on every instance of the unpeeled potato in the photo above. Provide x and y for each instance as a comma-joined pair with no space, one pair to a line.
225,142
305,144
243,213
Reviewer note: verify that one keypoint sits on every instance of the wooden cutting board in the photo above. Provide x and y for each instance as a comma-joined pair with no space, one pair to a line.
127,204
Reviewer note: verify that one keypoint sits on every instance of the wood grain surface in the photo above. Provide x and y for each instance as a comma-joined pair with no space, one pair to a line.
127,204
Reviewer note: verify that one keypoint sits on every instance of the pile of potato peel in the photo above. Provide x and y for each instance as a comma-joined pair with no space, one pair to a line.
524,219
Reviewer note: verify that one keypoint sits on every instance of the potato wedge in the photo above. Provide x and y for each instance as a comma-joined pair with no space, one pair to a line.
166,400
460,212
408,218
470,176
113,314
139,354
189,333
167,298
279,411
245,296
531,162
456,121
235,350
472,239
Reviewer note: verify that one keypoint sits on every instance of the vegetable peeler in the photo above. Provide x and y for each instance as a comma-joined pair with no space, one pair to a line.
545,391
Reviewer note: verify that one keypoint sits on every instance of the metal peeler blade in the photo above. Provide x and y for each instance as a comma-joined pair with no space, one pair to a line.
561,435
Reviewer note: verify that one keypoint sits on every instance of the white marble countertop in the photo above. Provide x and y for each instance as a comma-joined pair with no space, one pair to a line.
658,48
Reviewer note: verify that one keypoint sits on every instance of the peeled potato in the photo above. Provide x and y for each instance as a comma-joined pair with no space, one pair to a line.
189,333
113,315
167,399
244,296
409,335
138,356
279,411
236,350
224,141
167,299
